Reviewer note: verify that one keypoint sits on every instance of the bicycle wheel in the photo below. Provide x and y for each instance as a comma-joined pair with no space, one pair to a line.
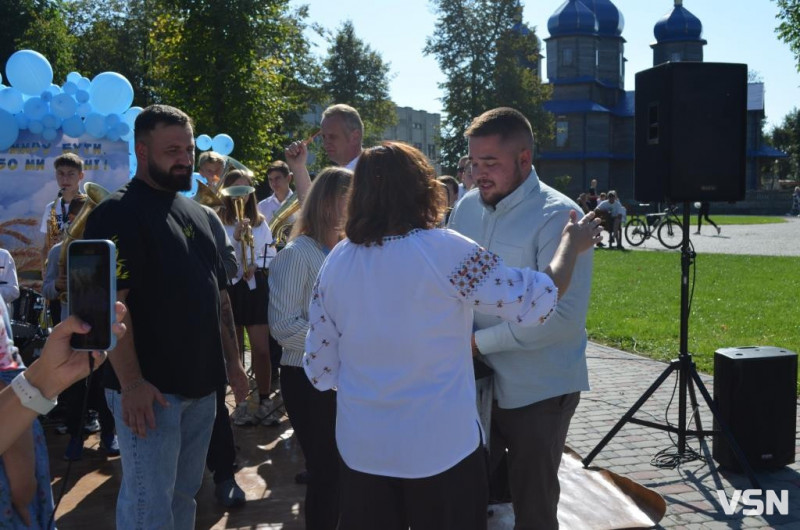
670,234
635,232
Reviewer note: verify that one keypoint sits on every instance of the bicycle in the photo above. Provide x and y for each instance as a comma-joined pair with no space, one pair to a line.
666,225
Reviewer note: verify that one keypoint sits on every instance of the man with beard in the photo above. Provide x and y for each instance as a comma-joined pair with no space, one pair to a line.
171,361
539,372
342,134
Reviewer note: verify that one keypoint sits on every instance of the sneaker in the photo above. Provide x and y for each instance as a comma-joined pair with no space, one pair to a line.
719,230
267,413
110,444
74,449
229,494
92,426
243,415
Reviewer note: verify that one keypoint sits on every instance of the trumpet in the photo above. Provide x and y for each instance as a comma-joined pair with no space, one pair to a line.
238,194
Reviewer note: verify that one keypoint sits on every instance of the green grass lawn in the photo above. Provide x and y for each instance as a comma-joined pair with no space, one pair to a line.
743,219
738,301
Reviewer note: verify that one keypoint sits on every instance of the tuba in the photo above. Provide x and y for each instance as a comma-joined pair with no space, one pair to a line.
238,194
94,195
207,195
280,225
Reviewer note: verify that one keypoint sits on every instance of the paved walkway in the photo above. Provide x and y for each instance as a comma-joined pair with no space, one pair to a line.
779,239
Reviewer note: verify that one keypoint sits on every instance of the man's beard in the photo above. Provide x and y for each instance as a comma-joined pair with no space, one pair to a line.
168,180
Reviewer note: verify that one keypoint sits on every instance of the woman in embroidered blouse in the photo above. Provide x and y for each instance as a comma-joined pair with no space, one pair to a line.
390,326
292,273
250,295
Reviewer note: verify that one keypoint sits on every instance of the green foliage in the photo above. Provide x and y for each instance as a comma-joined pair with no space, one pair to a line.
49,35
488,57
561,183
738,301
786,137
356,75
789,28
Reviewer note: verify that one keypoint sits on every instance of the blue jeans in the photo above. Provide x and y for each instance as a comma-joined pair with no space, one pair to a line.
162,473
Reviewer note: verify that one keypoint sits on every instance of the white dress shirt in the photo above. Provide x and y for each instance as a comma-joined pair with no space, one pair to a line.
271,204
9,286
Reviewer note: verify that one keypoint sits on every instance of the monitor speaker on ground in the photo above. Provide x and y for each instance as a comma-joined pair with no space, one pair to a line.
755,390
691,122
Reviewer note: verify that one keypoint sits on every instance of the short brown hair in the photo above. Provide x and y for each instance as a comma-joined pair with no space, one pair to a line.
319,210
279,165
210,157
394,190
504,122
69,160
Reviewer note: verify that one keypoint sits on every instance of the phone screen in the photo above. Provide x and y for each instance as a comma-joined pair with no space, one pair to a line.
91,285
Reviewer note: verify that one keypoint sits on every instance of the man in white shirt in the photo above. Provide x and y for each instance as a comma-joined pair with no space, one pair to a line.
464,170
69,174
539,372
279,178
614,212
9,287
342,135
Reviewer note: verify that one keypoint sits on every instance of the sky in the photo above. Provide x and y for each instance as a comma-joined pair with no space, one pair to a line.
737,31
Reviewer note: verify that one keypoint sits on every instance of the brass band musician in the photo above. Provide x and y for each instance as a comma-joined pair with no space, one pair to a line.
249,293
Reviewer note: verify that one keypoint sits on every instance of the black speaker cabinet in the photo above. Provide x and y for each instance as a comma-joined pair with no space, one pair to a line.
691,123
755,389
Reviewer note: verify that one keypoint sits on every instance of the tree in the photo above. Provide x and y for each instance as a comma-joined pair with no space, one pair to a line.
484,69
236,67
786,137
789,28
355,74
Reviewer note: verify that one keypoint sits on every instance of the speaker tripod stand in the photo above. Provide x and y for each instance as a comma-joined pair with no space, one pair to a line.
688,380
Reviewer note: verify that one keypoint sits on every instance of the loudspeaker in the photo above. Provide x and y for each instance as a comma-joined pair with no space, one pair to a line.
691,123
755,391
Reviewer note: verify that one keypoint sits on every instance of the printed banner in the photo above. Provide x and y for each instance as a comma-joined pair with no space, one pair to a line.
28,184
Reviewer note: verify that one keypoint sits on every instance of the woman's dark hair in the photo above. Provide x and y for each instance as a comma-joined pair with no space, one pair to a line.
394,191
228,211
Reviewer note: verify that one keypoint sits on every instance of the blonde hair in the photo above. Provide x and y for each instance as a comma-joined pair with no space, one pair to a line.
320,208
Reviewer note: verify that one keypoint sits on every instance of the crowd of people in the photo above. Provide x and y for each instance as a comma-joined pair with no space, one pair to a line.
393,283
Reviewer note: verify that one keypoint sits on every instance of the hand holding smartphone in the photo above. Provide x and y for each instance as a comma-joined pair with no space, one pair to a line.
92,291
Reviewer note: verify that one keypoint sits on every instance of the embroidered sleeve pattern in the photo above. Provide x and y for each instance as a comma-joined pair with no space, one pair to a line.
321,360
523,296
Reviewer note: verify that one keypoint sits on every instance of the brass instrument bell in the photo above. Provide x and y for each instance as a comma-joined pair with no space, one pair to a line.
239,194
206,196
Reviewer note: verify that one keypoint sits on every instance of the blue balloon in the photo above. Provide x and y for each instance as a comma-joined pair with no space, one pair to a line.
112,120
203,142
29,72
53,89
9,130
82,96
70,88
46,96
35,108
111,93
112,134
63,106
74,77
95,125
83,83
49,134
73,126
35,126
51,121
222,144
11,100
22,120
122,129
84,109
132,164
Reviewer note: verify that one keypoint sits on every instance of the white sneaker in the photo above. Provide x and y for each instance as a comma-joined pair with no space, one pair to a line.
242,415
267,413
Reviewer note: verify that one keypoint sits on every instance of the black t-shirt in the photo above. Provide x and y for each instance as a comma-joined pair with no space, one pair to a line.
167,258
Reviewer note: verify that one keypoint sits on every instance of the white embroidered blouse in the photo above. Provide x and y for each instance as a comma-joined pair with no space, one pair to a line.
390,328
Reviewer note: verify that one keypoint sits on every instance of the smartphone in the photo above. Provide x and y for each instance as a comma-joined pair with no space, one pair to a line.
92,291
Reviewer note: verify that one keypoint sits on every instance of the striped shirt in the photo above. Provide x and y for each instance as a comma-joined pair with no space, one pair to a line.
291,277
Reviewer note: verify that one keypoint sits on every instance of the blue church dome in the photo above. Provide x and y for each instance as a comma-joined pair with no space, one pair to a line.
609,19
678,25
572,17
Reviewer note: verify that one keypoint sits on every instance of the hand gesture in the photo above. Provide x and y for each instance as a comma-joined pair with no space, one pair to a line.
583,234
296,155
241,228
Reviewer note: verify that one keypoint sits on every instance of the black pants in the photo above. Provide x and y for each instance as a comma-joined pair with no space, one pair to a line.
455,499
73,401
313,417
221,450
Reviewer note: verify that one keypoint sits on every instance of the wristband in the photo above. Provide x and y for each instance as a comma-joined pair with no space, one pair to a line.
30,396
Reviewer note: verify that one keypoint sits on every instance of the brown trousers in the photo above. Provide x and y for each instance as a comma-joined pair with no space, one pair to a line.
534,437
